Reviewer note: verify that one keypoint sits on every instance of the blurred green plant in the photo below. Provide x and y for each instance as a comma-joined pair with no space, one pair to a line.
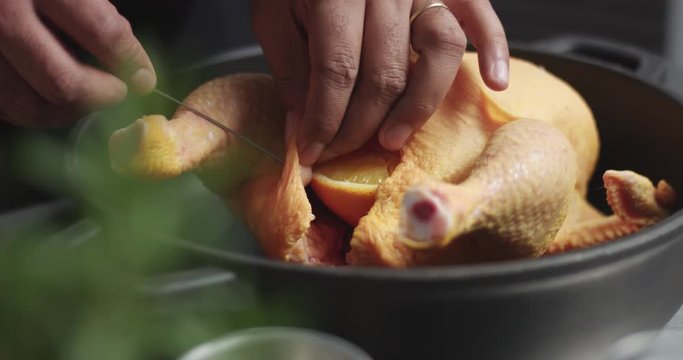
88,300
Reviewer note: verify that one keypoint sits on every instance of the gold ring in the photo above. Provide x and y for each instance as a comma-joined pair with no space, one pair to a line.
424,9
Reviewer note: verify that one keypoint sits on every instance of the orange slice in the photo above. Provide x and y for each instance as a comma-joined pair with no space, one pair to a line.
347,185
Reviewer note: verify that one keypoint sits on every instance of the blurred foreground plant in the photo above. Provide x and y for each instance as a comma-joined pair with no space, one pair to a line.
87,300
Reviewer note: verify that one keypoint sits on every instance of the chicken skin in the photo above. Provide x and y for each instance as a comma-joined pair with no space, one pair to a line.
491,175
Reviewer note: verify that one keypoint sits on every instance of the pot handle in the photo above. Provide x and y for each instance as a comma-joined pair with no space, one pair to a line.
638,62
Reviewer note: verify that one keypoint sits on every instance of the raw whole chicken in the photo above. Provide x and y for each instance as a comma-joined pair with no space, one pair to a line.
491,175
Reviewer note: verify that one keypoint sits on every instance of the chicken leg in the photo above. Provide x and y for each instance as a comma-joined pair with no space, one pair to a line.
491,175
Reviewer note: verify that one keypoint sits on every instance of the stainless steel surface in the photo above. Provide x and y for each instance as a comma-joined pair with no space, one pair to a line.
647,345
219,125
675,326
277,343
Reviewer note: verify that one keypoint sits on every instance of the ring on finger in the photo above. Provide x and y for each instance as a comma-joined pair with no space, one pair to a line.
434,5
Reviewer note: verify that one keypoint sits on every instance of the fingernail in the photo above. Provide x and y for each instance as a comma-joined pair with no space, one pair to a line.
310,154
143,81
119,93
501,72
124,145
306,174
396,137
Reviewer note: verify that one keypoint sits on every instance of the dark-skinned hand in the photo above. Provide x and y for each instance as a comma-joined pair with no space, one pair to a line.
341,67
42,83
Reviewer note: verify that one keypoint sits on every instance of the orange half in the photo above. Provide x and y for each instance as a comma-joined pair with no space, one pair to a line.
348,184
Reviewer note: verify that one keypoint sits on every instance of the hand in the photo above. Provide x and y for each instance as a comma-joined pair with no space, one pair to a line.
342,66
42,83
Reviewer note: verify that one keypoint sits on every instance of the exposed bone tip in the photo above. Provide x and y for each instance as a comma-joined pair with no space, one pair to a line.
143,147
423,210
124,145
425,219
